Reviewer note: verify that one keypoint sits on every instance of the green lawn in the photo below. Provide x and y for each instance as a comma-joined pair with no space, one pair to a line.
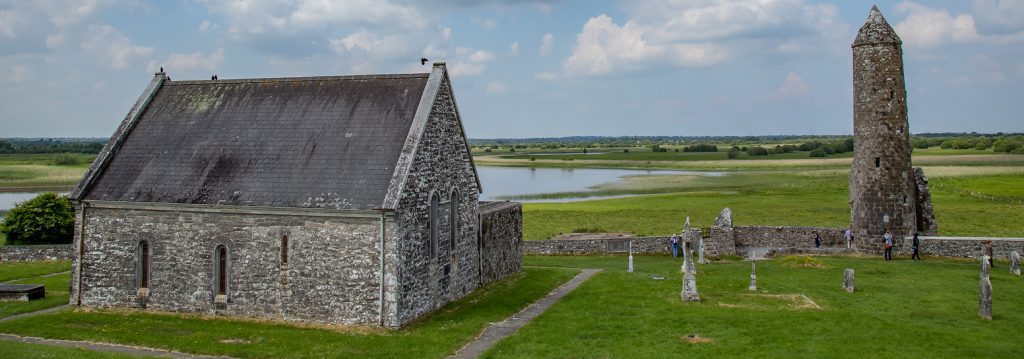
40,171
437,336
900,309
780,198
36,273
25,350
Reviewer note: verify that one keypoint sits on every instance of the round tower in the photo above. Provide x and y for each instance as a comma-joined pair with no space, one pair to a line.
882,192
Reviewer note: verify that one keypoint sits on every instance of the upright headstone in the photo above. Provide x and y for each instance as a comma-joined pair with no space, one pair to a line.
753,275
689,293
848,280
1015,263
688,266
985,291
631,256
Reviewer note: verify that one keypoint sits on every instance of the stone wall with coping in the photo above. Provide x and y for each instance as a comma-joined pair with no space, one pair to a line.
501,240
787,236
21,253
332,274
964,247
641,245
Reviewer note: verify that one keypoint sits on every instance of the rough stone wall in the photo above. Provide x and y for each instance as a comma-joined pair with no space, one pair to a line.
441,166
35,253
500,241
966,247
641,245
881,179
787,237
926,224
332,275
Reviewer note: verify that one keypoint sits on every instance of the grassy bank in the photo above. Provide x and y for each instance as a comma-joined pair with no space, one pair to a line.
30,172
436,336
900,309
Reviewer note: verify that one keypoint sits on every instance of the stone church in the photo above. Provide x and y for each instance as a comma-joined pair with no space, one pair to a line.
339,199
886,192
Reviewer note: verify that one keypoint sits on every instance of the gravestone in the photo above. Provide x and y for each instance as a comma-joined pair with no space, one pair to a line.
700,251
848,280
985,291
631,257
753,275
1015,263
688,266
22,292
689,293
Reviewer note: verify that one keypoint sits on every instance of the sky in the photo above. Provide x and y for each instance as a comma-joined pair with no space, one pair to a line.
526,68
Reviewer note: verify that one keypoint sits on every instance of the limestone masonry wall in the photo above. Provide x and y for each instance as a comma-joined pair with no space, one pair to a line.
968,247
35,253
786,237
332,273
501,240
649,245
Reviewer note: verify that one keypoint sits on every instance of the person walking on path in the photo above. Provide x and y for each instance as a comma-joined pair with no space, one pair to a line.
887,239
849,238
988,252
675,246
917,244
817,240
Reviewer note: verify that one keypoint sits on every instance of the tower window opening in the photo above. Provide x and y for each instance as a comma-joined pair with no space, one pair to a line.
878,162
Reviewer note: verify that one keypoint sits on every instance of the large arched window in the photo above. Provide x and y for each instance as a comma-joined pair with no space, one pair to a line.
453,224
435,226
142,266
221,275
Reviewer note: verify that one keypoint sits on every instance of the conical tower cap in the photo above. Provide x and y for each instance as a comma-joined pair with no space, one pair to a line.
876,31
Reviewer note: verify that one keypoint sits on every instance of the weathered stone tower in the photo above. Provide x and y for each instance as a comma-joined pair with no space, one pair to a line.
882,183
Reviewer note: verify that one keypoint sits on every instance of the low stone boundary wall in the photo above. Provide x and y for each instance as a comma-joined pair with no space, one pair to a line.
598,246
35,252
964,247
787,237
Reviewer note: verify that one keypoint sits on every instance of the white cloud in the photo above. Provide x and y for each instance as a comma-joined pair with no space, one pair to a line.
446,33
206,25
545,76
368,43
927,27
999,16
514,48
496,87
703,33
491,23
459,69
603,46
432,52
546,43
792,86
190,63
113,48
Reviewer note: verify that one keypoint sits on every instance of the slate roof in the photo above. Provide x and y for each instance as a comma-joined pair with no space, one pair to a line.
314,142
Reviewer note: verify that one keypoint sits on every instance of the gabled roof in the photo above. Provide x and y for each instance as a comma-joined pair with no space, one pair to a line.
313,142
876,30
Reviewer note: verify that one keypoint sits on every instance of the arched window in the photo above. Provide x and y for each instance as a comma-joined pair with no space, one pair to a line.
220,261
284,250
142,265
453,224
435,226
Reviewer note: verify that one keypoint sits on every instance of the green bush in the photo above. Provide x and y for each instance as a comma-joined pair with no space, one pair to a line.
757,151
65,159
733,154
45,219
818,152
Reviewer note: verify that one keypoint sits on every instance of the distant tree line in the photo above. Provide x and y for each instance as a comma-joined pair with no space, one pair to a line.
51,145
1012,143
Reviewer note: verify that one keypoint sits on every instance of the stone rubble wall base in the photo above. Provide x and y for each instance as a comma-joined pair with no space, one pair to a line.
24,253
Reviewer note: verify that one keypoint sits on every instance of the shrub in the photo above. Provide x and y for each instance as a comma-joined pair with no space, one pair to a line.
818,153
1006,145
513,149
757,151
919,144
533,158
45,219
701,147
65,159
625,150
733,154
488,149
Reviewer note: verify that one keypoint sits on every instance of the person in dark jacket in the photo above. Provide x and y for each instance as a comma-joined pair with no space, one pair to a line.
817,240
917,243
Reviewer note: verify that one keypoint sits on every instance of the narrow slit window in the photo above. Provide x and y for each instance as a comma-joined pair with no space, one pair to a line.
878,162
142,253
222,270
284,250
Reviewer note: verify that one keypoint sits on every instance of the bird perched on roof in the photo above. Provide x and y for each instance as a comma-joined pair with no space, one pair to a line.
214,77
161,69
423,61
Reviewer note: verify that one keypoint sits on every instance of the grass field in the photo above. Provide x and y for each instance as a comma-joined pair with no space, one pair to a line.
437,336
43,272
966,204
900,309
40,171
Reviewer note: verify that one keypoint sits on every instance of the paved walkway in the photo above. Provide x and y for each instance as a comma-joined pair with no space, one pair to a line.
498,331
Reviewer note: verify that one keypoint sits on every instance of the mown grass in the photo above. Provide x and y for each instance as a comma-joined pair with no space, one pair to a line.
436,336
57,286
900,309
25,350
18,270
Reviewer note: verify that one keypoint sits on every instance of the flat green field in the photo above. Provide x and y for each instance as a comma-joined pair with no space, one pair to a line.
41,171
919,309
48,273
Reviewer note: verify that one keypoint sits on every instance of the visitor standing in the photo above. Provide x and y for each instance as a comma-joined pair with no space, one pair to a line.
675,246
849,238
817,240
887,239
917,243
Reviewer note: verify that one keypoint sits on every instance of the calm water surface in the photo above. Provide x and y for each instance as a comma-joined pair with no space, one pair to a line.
510,181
